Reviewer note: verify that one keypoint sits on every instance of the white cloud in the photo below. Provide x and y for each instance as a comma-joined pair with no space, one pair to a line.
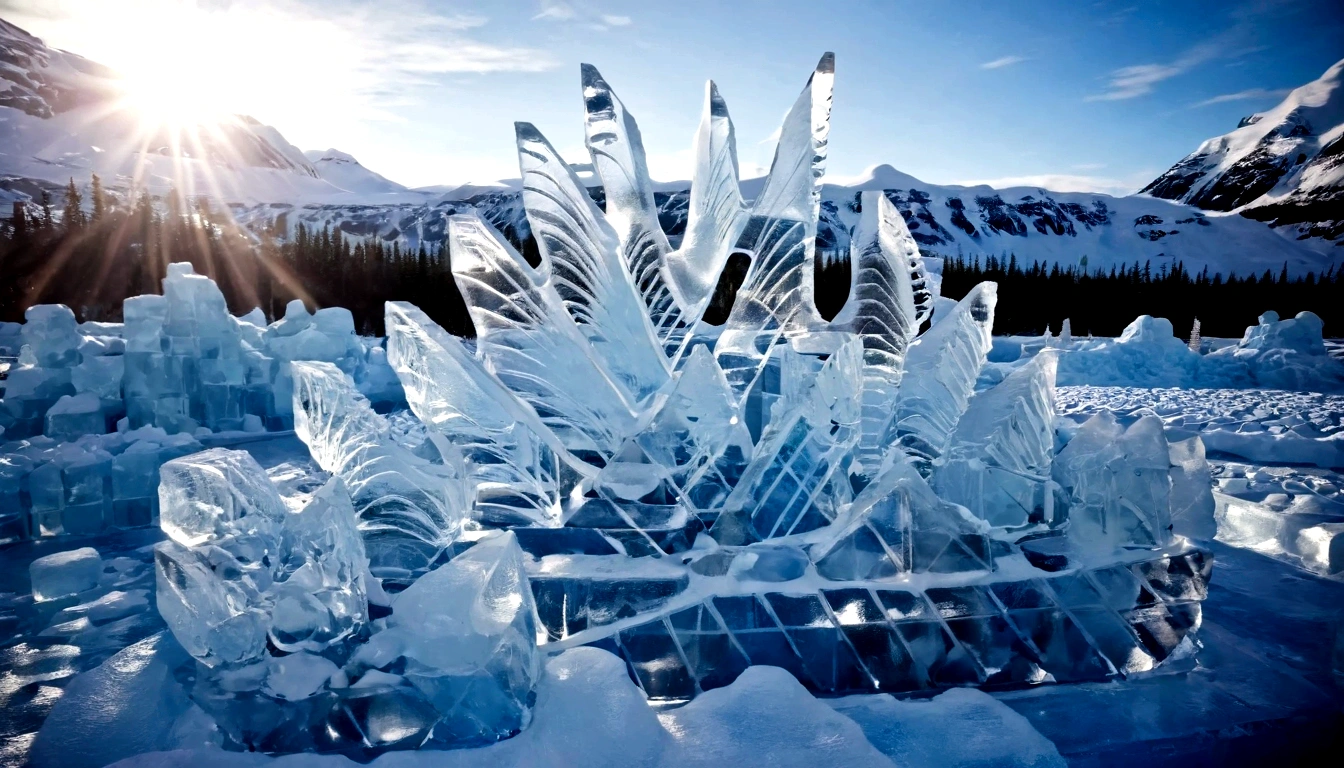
1246,95
1140,79
612,20
1006,61
1060,182
555,11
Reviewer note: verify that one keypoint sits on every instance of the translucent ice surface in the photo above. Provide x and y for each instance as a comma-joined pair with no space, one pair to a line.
940,373
511,457
881,310
998,463
464,637
1118,482
409,508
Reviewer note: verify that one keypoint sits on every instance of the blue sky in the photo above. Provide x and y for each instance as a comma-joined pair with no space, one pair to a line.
1070,95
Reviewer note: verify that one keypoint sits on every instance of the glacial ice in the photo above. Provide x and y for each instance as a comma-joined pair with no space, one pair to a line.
1117,481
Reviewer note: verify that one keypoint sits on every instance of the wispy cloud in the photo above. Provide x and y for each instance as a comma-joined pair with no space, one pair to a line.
1247,95
581,14
1140,79
1063,182
556,12
1006,61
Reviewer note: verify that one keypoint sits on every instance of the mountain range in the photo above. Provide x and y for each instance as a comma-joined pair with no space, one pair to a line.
63,117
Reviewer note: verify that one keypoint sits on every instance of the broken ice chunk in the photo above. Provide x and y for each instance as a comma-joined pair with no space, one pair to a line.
65,573
320,592
220,495
1117,482
465,636
409,509
998,463
1192,503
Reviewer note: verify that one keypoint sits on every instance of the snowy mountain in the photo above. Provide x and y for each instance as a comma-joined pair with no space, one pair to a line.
63,117
1068,228
1284,167
344,171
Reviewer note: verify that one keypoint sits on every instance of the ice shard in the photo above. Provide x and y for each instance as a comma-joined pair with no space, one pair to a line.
1117,481
511,457
998,462
320,595
526,339
581,251
940,373
776,297
698,434
881,310
618,155
797,480
223,518
716,213
464,636
409,509
899,525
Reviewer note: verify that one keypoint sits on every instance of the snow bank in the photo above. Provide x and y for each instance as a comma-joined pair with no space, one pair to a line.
1275,354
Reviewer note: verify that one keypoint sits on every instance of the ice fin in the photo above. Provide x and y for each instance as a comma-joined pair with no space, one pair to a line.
940,372
780,236
716,213
618,155
409,509
586,270
525,338
511,456
998,463
881,310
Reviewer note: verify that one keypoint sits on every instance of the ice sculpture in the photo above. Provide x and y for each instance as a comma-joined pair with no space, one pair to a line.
409,509
830,497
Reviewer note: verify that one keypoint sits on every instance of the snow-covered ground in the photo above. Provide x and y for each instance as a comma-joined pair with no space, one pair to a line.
1263,683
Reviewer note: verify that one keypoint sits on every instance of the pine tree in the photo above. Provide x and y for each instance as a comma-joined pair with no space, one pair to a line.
46,211
99,203
73,217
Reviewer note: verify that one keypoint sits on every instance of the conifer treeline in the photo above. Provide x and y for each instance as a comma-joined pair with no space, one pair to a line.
1103,302
91,257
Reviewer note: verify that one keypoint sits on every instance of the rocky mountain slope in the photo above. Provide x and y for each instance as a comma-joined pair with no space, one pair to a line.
1284,166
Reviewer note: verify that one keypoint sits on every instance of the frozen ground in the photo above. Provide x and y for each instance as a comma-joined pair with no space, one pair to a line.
1262,686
